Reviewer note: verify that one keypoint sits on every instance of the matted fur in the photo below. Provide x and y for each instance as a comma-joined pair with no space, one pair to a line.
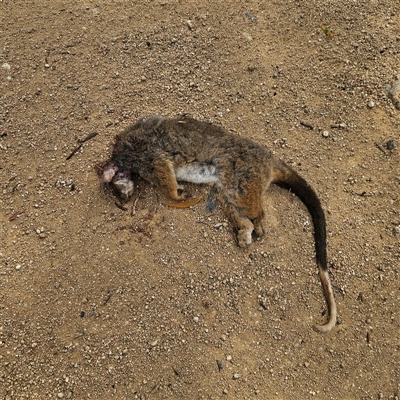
163,151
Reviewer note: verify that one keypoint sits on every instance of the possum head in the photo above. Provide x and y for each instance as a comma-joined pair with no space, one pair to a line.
120,181
123,185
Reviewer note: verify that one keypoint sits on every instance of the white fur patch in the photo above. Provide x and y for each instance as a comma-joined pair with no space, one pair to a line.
197,173
125,187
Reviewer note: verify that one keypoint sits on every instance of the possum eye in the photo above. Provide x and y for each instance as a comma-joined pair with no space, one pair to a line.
108,173
124,188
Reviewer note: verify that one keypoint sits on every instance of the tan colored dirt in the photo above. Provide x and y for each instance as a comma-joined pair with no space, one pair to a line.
98,303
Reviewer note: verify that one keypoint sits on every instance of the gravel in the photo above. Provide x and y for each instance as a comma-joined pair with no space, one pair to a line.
106,304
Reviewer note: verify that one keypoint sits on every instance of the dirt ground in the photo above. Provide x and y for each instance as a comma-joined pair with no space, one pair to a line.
98,303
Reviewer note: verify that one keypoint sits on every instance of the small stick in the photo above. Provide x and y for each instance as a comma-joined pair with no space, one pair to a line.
16,214
88,137
121,207
307,125
380,148
107,298
74,151
81,141
134,207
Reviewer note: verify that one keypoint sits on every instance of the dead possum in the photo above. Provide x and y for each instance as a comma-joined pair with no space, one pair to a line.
166,151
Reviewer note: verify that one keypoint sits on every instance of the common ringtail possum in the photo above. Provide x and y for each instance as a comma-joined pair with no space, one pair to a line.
165,151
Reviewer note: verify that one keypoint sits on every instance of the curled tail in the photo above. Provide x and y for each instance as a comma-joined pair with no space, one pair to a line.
286,177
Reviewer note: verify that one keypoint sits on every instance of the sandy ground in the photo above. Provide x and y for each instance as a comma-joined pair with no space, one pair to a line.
98,303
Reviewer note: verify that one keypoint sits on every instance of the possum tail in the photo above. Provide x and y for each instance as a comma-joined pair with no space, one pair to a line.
286,177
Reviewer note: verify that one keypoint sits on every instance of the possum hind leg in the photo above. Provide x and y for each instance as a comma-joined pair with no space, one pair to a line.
259,224
242,224
243,208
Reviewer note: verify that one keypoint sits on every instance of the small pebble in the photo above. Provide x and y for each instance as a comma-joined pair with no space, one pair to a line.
17,267
196,319
247,36
6,66
251,16
371,104
225,391
390,145
236,376
60,395
189,23
325,133
228,358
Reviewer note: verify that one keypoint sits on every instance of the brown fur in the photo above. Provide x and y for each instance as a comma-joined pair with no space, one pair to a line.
164,151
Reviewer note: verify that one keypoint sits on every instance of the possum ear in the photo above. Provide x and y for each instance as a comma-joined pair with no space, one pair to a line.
108,173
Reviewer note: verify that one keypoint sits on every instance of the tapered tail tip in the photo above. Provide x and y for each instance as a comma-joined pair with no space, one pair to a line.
329,325
330,301
324,328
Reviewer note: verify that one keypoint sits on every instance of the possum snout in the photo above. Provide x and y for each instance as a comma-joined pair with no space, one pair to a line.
108,173
120,182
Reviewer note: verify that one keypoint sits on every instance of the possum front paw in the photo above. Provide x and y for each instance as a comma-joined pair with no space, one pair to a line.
180,197
180,194
244,238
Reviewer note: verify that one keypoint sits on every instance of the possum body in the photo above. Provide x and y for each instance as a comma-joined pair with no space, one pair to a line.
165,151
